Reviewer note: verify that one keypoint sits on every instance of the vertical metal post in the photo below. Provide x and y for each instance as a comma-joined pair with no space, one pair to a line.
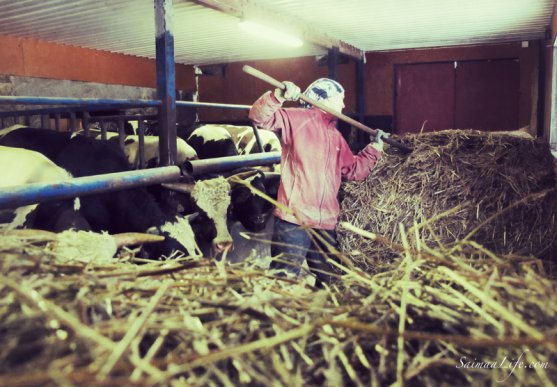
57,118
73,122
141,136
332,59
104,125
360,99
166,81
257,138
45,121
121,132
85,123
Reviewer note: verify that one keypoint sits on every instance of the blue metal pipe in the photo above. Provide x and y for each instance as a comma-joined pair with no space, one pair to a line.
220,164
77,101
12,197
125,117
65,110
166,80
78,106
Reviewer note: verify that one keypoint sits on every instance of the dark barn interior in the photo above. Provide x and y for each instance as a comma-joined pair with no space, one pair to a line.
139,195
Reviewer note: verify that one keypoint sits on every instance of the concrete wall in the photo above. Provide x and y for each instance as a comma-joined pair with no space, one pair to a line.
34,68
11,85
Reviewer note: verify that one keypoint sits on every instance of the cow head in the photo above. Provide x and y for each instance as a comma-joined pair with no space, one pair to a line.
248,207
213,198
60,216
179,236
219,200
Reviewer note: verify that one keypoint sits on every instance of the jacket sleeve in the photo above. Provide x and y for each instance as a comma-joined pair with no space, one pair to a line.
358,167
267,113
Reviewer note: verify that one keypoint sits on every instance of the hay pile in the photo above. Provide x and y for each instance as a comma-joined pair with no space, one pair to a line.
431,319
492,188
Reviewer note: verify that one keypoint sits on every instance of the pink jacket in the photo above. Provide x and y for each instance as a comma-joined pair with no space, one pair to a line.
314,158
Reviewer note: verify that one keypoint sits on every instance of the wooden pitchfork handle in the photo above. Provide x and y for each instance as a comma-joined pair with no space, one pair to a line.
272,81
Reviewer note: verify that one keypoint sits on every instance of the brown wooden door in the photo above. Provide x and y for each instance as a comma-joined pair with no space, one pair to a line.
424,94
480,95
487,94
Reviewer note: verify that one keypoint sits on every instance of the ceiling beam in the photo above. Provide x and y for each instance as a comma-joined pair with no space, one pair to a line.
248,10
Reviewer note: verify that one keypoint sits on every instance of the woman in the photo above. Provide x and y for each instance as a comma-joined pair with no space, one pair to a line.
315,157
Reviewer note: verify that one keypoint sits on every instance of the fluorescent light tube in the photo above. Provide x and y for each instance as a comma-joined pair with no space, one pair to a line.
271,34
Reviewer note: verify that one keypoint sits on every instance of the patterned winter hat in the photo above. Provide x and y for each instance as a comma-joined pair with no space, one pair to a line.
321,89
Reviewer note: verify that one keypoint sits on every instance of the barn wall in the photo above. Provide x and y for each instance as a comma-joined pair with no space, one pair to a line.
236,87
379,71
35,58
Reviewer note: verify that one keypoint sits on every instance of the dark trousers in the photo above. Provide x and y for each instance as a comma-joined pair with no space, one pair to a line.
296,244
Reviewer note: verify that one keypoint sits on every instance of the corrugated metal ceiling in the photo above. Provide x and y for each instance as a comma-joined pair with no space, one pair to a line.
207,36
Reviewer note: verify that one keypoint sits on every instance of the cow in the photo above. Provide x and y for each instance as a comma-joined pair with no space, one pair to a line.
22,166
270,142
129,210
210,141
247,143
220,201
184,151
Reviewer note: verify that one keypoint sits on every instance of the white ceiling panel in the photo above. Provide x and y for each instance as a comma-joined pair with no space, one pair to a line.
206,36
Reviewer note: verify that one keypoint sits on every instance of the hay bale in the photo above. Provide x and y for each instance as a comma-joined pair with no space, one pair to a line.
494,188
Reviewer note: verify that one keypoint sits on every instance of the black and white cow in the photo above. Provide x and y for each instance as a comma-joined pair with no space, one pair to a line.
130,210
22,166
270,142
247,143
184,151
210,141
220,202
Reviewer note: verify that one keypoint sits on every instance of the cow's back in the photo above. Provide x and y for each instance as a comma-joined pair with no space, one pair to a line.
210,141
48,142
85,156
